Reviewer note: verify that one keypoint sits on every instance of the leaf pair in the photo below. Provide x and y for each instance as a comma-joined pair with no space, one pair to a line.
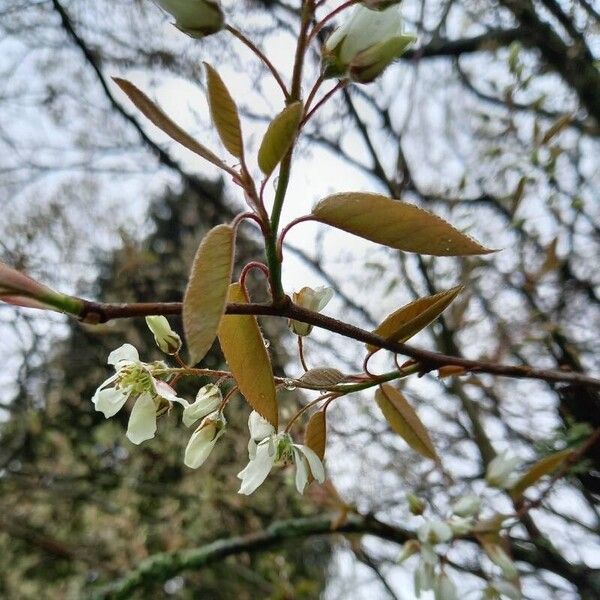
204,303
277,140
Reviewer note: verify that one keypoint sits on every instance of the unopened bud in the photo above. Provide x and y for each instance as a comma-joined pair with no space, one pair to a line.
166,339
416,505
208,399
365,45
196,18
311,299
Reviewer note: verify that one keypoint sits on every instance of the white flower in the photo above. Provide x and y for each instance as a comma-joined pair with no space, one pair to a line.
134,379
166,339
208,399
365,45
203,440
500,471
311,299
196,18
434,532
467,506
265,448
444,588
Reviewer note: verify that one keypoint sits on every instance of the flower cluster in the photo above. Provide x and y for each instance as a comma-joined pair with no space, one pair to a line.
430,573
146,385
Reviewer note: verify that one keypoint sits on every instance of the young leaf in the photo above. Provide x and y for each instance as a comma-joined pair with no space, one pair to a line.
279,137
545,466
402,324
403,419
206,293
322,377
244,349
155,114
224,113
315,436
396,224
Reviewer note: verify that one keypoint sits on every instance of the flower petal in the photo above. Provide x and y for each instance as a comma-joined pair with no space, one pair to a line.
142,421
301,470
125,353
110,401
200,446
316,466
164,390
257,470
259,427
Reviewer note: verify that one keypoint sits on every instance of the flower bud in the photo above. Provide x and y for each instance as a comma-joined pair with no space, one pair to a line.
166,339
208,399
500,471
203,440
196,18
467,506
311,299
444,588
365,45
416,505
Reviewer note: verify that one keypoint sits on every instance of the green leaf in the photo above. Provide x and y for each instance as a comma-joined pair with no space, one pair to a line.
396,224
315,436
545,466
322,377
206,293
279,137
244,349
403,419
224,113
155,114
402,324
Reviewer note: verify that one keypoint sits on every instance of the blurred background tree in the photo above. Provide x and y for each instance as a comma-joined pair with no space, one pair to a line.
492,120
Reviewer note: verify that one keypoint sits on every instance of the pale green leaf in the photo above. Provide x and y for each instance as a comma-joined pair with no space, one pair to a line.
402,324
396,224
156,115
224,113
206,293
403,419
244,349
544,466
279,137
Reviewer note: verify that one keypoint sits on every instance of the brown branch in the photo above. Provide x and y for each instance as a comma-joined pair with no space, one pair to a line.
94,312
